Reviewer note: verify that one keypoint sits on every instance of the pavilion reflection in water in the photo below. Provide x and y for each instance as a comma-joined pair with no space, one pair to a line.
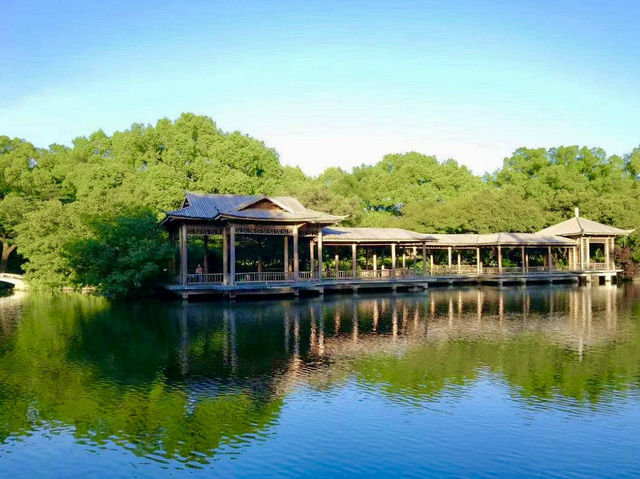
219,375
316,330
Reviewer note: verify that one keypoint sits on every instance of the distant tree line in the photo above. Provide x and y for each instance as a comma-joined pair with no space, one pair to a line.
86,215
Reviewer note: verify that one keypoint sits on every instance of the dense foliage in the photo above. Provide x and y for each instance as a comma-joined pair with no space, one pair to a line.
57,204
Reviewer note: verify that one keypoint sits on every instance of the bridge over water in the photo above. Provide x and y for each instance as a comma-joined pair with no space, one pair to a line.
16,281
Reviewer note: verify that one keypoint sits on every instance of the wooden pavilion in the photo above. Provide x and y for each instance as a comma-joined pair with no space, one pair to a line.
587,233
558,253
228,216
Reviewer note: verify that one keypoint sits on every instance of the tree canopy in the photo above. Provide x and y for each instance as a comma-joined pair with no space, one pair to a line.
57,203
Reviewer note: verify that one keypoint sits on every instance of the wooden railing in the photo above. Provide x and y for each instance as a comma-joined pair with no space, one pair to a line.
400,273
205,278
263,277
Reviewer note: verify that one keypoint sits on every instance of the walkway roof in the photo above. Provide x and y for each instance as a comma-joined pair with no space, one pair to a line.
577,226
335,234
396,235
200,206
502,239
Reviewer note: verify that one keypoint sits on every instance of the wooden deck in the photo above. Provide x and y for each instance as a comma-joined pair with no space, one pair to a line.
259,284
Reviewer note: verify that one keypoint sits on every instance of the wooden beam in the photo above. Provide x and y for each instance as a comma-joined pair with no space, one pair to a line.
393,260
232,254
320,265
183,254
205,259
225,255
296,258
375,262
337,262
499,259
478,263
524,257
354,260
459,262
286,254
424,258
549,259
449,251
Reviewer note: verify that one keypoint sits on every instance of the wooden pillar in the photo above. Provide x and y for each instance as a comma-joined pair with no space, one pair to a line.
183,254
499,259
549,259
320,265
459,262
424,259
449,249
232,254
354,260
404,258
524,257
225,255
431,262
606,253
337,262
296,258
375,262
311,258
286,254
478,263
205,259
393,260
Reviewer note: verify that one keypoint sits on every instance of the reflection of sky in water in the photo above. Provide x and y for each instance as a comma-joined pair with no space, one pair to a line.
538,382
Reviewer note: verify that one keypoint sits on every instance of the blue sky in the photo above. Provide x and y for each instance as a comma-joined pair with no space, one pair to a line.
331,83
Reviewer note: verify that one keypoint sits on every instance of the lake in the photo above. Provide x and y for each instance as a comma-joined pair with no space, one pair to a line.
475,382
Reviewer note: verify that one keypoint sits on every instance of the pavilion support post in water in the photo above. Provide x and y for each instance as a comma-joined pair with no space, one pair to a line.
606,253
205,259
549,259
424,259
320,265
431,262
336,261
524,258
393,260
499,259
286,256
478,262
449,251
296,258
225,255
375,262
404,259
459,262
312,266
183,254
232,255
354,261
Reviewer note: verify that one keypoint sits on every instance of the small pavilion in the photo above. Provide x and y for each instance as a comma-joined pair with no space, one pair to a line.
587,233
228,216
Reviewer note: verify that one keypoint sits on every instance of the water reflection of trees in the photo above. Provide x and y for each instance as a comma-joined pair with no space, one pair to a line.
184,381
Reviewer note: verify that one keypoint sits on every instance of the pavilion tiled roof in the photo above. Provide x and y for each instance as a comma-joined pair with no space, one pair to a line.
334,234
248,207
373,235
578,226
502,239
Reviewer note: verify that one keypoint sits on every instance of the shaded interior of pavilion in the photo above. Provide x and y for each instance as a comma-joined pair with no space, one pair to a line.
334,256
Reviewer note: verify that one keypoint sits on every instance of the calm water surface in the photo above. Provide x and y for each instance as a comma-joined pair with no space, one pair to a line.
536,382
